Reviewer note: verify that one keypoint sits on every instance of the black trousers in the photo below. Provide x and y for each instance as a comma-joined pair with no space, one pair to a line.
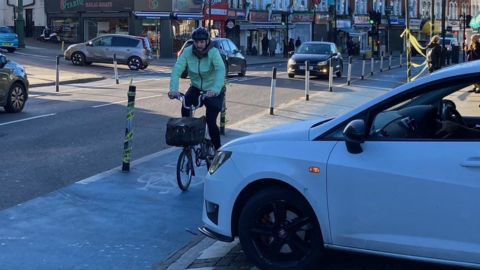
213,107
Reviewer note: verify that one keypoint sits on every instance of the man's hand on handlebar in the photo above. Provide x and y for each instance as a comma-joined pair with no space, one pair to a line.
173,94
211,94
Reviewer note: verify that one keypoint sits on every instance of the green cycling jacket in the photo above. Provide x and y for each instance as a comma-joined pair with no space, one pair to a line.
207,73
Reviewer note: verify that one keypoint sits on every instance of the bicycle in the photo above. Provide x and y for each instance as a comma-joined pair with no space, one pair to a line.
204,151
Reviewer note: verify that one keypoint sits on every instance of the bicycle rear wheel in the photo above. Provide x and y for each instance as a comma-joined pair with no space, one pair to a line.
184,169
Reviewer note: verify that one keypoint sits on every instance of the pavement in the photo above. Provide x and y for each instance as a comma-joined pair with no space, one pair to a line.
40,76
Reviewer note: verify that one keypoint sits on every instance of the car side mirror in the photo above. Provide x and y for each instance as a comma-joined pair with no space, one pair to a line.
3,61
235,51
354,134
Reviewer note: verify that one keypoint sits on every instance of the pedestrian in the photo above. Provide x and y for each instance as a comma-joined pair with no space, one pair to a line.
473,53
350,46
285,48
291,45
298,42
272,46
434,52
265,45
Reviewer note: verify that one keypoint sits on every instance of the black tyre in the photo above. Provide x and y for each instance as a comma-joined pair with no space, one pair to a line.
339,73
78,59
291,75
88,63
279,230
144,67
244,69
210,154
184,169
134,63
16,98
11,50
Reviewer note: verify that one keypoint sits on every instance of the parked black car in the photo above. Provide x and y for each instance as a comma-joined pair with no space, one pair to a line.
319,54
233,58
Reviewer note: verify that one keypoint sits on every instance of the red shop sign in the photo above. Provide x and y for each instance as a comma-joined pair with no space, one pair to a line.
219,11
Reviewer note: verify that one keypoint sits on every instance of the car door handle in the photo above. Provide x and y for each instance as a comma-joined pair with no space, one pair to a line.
471,162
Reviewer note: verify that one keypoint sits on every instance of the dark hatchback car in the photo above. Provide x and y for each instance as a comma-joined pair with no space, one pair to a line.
233,58
319,54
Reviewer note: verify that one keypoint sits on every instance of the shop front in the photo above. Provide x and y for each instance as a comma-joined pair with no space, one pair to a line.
79,21
395,41
322,27
218,18
168,25
232,28
303,26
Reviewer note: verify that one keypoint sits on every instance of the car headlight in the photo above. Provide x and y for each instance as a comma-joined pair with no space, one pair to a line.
323,63
291,62
219,159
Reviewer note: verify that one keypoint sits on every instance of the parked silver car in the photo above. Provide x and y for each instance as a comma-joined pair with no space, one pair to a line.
130,50
13,85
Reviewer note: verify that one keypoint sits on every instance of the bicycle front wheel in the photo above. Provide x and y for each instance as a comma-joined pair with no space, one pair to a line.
184,169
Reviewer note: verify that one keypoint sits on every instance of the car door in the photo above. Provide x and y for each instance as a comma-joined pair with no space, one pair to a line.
100,49
124,48
409,197
236,55
5,82
229,59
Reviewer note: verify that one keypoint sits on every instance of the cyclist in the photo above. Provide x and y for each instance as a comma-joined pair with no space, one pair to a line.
207,74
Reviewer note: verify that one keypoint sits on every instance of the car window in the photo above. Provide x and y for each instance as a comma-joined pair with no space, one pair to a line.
5,30
232,46
102,41
125,42
314,49
224,44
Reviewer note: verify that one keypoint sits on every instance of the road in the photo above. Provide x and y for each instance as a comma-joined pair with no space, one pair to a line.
61,138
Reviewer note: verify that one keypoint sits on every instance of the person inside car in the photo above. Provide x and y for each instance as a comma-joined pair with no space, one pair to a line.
206,71
452,130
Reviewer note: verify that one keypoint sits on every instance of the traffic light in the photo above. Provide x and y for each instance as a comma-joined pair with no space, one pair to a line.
378,18
467,20
374,29
378,42
284,18
372,17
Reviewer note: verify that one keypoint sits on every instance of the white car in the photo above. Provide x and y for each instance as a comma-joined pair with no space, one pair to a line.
377,179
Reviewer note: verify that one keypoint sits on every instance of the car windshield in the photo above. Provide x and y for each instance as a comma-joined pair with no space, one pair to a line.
314,49
5,30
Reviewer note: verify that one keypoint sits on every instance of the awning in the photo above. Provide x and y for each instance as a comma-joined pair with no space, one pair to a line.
348,30
189,16
266,25
427,27
152,15
475,22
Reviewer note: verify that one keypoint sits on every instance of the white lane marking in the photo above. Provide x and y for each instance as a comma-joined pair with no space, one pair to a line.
218,250
124,101
26,119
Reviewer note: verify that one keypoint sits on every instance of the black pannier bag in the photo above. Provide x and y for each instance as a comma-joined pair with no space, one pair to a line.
185,131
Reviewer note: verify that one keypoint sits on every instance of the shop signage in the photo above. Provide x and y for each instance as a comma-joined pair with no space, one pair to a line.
303,16
321,17
276,18
256,16
231,13
88,5
362,20
241,14
344,24
219,11
180,6
230,24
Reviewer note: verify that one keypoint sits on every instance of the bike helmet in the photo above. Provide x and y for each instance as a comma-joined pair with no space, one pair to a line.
200,34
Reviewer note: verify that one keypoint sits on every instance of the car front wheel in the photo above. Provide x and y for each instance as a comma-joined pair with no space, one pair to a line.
244,69
339,72
291,75
16,98
78,59
135,63
279,230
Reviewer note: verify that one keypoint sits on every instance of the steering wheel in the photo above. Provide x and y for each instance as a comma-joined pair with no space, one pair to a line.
449,110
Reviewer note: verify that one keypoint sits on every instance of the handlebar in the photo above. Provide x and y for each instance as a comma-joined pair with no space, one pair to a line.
181,97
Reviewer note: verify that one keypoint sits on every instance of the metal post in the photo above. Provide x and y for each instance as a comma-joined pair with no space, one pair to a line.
223,114
330,75
307,80
349,73
63,44
363,67
390,60
409,46
210,16
115,70
371,66
57,74
381,62
444,49
272,89
20,24
464,40
127,143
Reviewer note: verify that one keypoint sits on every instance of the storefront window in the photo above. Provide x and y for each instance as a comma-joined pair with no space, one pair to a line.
95,27
67,27
151,30
182,31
